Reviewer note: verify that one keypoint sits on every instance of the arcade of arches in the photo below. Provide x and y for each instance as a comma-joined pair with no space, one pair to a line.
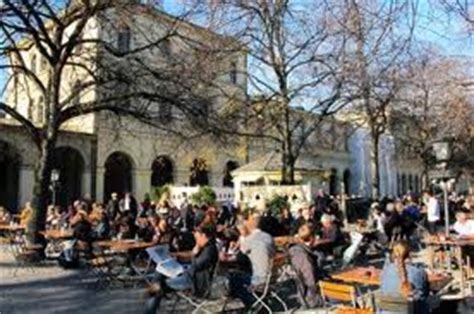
70,164
162,171
9,176
118,174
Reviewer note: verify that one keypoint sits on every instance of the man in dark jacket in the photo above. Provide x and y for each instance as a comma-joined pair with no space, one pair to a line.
198,277
128,204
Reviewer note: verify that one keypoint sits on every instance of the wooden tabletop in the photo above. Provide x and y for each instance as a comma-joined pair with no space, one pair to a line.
125,245
371,276
360,275
58,234
287,240
8,227
449,241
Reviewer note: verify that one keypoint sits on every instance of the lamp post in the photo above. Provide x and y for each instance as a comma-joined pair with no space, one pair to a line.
54,183
442,154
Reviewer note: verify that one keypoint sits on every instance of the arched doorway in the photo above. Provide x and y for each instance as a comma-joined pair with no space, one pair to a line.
347,181
230,166
70,165
333,182
162,171
199,173
118,174
9,176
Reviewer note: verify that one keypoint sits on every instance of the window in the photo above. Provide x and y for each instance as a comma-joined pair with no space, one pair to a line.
125,89
165,113
200,109
30,110
76,89
43,63
40,111
123,40
233,73
33,63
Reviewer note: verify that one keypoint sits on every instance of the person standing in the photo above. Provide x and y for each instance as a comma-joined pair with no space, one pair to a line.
128,204
432,210
113,207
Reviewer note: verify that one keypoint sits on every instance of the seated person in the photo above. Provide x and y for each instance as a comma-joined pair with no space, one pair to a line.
126,230
26,214
259,247
377,221
306,264
286,220
400,279
271,225
81,225
156,229
463,226
198,277
306,217
100,223
332,232
53,218
4,216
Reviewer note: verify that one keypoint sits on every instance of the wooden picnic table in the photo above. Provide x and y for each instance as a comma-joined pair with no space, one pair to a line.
58,234
371,276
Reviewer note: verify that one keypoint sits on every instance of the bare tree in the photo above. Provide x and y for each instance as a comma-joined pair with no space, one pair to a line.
292,72
74,59
464,9
377,36
433,107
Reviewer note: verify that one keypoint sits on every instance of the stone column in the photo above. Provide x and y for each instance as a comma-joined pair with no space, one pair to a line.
25,184
86,184
215,179
141,182
99,186
181,176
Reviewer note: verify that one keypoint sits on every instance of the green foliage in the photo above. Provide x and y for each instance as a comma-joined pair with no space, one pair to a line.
276,204
158,191
204,196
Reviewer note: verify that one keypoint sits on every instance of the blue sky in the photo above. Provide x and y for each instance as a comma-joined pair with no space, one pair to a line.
434,26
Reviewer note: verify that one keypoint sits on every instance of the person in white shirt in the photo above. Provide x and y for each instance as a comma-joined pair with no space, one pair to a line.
463,226
433,211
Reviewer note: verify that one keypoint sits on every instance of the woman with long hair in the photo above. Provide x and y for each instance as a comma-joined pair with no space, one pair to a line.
401,279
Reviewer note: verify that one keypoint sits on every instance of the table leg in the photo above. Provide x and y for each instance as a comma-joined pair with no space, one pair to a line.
461,268
448,251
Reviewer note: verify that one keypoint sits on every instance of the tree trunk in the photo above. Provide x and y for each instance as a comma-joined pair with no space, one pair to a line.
41,190
288,167
424,178
375,171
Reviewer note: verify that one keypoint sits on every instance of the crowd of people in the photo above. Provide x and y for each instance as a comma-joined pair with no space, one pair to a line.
230,234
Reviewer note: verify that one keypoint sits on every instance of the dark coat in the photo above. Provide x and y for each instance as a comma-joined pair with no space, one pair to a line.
202,269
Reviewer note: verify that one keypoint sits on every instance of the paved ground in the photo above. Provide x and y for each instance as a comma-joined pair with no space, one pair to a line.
51,289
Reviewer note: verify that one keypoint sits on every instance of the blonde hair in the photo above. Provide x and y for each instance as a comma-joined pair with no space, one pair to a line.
400,253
